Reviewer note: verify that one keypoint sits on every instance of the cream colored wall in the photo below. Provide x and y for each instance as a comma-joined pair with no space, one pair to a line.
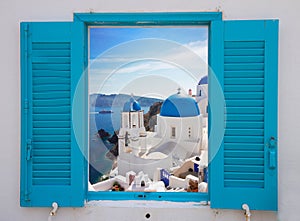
12,12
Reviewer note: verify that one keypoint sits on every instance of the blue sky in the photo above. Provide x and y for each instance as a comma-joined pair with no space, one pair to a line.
150,62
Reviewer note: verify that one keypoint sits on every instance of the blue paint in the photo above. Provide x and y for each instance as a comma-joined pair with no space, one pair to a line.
196,167
132,105
203,80
164,176
205,172
179,105
240,170
148,18
51,160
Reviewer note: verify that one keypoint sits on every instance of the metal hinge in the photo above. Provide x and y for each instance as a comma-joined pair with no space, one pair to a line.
26,105
29,149
27,35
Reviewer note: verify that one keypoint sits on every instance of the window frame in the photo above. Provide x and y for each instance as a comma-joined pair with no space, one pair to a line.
173,132
141,20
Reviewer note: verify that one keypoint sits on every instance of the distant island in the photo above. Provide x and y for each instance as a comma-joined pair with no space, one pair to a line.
104,100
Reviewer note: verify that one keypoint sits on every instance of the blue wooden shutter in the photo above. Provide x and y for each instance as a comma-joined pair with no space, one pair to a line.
52,164
243,168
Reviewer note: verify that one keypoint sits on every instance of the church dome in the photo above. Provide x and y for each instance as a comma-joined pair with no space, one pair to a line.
131,105
179,105
203,80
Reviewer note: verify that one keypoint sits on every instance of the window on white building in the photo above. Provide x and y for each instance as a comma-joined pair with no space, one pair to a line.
60,139
173,132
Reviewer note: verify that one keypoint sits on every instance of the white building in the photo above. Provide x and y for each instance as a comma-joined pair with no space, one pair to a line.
202,95
178,136
12,12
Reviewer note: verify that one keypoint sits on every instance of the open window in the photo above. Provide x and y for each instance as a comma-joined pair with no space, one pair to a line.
144,105
242,113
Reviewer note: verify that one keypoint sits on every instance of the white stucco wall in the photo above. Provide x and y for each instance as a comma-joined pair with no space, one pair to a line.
12,12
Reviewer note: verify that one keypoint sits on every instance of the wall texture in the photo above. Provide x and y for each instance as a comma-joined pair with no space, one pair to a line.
12,12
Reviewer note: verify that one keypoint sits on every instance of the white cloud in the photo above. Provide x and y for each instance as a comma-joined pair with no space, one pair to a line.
152,57
200,48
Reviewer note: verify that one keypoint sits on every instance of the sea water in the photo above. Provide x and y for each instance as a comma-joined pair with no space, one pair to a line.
110,122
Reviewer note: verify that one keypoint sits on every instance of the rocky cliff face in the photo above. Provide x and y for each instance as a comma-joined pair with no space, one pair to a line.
113,152
103,134
150,118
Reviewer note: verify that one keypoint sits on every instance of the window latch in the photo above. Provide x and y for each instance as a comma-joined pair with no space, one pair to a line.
29,149
272,143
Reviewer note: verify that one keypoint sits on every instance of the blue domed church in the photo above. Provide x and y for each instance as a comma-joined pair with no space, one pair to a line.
180,121
202,96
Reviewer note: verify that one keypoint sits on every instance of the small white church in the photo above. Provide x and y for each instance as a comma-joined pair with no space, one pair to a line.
178,134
